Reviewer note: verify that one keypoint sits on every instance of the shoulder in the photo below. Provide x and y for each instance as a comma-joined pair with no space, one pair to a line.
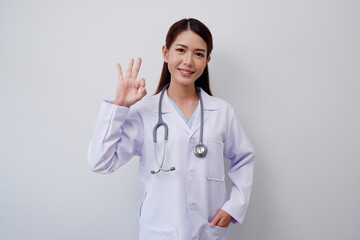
216,103
221,103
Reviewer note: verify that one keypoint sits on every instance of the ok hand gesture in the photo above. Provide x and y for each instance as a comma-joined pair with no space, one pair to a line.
129,90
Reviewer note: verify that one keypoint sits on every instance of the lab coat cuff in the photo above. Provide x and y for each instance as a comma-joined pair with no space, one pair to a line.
237,218
111,102
108,108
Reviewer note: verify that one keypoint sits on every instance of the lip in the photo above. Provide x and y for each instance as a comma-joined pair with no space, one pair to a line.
185,72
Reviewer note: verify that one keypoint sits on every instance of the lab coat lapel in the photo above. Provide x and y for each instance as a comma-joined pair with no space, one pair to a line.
209,106
165,108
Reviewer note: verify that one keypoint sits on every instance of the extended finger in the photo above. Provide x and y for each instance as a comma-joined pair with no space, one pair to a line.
120,74
137,85
129,70
136,69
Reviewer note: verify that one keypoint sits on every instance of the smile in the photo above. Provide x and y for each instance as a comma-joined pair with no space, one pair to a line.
185,72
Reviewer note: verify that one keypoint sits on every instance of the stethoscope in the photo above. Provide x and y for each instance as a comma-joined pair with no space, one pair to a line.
200,149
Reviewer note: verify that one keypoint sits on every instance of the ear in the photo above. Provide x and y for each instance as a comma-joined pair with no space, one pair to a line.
165,53
208,60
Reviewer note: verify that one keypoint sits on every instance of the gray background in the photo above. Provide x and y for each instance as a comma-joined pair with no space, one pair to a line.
289,68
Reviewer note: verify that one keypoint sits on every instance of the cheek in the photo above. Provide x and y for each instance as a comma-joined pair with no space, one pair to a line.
201,65
174,62
172,66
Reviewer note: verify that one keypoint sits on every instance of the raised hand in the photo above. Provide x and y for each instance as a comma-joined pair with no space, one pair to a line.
129,90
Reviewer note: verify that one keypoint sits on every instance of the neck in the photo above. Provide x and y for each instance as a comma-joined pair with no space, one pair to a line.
182,93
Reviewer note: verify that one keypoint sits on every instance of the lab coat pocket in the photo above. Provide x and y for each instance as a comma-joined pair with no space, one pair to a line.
215,160
151,233
214,233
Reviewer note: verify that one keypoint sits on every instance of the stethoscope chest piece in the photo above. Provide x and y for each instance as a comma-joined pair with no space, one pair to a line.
200,150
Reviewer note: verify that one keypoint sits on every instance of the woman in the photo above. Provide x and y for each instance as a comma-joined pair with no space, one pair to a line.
184,182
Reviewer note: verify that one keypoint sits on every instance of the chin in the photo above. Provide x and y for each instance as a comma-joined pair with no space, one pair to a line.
186,83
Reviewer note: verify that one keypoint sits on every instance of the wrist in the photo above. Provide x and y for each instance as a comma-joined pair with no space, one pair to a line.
121,103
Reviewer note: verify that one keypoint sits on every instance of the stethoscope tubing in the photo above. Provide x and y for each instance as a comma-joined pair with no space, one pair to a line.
200,149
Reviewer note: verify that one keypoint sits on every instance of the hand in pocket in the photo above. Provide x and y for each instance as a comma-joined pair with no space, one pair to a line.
222,219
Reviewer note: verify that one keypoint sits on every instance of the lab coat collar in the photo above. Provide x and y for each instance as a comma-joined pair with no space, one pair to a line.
167,105
208,101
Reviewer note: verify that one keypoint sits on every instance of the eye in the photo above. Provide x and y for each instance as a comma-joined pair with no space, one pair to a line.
180,50
199,54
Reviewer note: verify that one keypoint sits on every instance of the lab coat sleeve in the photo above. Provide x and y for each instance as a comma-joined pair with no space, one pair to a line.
117,137
240,152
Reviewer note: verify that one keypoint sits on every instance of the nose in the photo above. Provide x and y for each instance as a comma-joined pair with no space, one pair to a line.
188,59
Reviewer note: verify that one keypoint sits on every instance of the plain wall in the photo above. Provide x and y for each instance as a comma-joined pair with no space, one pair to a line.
289,68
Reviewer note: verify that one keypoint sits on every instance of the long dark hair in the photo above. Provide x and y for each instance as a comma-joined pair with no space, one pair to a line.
177,28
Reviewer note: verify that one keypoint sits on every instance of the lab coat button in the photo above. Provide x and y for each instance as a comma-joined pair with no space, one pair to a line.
192,207
192,174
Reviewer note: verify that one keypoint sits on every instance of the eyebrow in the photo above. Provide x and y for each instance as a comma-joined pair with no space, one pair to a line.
184,46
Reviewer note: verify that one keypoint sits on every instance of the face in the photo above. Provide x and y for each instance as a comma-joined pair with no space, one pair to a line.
186,58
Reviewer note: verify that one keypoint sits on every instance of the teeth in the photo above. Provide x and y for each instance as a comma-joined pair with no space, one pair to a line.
186,72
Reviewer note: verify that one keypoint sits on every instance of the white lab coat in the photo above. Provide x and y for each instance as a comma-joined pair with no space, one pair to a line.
178,204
